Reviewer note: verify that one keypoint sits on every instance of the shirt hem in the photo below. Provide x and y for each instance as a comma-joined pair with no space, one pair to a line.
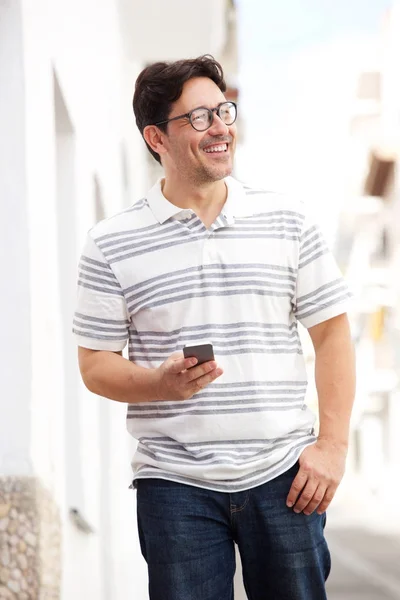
207,486
93,344
326,314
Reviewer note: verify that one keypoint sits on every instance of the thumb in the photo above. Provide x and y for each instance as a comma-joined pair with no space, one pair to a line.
175,363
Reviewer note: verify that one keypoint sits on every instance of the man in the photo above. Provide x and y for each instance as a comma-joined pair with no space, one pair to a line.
227,451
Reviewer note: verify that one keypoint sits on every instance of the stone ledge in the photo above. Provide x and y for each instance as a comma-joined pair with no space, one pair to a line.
30,541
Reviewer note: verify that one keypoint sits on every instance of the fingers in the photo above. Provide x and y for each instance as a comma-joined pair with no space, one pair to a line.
204,380
310,499
181,379
308,494
177,363
199,371
328,497
298,484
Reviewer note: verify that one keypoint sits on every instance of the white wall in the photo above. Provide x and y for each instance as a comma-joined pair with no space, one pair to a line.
14,250
173,30
66,121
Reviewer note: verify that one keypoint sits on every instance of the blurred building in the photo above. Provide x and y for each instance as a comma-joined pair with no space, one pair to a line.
369,246
71,155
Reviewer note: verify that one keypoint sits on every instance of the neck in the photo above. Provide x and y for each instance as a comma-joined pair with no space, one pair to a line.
202,199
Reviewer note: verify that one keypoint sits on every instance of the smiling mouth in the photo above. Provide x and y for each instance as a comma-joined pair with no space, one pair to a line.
220,149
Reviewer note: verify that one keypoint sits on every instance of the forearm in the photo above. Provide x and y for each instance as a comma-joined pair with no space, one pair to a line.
335,382
110,375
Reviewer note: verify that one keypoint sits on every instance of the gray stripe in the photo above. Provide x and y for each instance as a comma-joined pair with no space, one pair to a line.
310,232
312,239
259,383
318,290
136,356
317,246
155,249
237,339
233,485
200,276
99,289
244,479
310,260
254,192
134,240
232,398
216,326
214,406
174,342
100,320
339,300
210,289
95,336
271,222
318,301
257,229
218,332
92,327
195,224
198,282
217,443
267,236
99,280
219,222
265,389
220,411
249,392
210,457
146,244
272,213
219,348
84,267
142,232
91,261
211,293
209,449
203,269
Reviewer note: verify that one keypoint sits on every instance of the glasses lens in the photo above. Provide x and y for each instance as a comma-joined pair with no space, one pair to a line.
201,119
227,113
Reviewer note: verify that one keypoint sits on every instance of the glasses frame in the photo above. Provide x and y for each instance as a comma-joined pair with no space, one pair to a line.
216,110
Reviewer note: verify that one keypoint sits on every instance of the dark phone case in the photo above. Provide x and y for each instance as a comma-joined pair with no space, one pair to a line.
203,353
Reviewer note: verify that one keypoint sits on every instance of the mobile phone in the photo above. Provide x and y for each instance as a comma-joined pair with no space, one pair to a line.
203,353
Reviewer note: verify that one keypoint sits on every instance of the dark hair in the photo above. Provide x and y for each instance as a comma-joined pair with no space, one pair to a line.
160,85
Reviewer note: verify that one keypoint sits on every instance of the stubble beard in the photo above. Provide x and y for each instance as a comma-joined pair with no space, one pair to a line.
204,174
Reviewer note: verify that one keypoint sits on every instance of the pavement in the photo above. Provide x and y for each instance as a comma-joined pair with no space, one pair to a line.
363,533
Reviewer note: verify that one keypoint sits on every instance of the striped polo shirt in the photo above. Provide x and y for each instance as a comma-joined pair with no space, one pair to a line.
155,277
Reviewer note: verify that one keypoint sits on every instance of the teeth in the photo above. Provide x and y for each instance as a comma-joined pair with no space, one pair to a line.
216,149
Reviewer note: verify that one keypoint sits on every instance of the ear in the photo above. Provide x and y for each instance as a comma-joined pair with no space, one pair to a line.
155,139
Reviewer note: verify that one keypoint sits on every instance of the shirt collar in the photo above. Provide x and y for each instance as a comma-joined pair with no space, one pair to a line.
163,209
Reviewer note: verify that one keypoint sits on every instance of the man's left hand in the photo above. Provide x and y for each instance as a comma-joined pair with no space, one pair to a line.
321,470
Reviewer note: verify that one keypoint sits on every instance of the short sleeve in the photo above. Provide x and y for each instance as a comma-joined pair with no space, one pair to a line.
101,320
321,291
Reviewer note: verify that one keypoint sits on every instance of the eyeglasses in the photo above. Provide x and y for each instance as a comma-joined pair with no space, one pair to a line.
202,118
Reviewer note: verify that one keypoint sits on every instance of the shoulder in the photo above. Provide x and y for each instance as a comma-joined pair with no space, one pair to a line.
264,200
130,219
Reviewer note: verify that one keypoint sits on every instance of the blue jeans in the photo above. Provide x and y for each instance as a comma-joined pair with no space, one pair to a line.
187,536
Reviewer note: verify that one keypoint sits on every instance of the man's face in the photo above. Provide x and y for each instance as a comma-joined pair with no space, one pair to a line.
201,156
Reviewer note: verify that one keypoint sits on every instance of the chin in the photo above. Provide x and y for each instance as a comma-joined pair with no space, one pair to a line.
220,173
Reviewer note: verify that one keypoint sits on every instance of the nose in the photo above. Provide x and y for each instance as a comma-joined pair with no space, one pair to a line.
218,127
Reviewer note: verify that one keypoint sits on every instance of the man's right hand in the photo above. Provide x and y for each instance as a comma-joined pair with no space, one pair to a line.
179,379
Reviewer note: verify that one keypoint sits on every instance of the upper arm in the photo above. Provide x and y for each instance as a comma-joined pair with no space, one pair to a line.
87,358
338,326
